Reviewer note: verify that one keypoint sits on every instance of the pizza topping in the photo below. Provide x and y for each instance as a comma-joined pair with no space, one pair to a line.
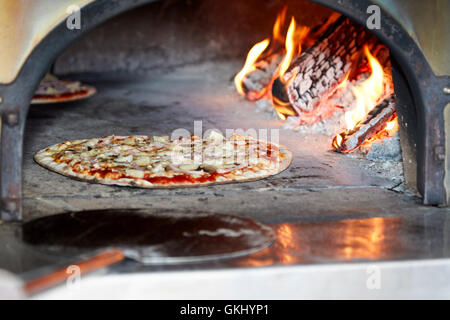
128,158
189,167
135,173
143,161
161,161
231,169
163,139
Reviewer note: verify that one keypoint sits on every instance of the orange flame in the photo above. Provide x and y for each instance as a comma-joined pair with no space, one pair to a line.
344,83
292,42
367,94
337,142
256,51
290,48
294,39
282,109
293,46
277,33
252,57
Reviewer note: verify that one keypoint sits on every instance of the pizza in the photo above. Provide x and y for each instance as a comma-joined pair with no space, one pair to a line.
53,90
157,162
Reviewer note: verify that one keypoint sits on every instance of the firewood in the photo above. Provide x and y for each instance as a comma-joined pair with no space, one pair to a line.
319,70
257,81
359,68
374,122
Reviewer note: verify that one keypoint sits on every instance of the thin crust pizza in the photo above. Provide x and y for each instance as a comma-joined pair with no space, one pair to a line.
54,90
158,162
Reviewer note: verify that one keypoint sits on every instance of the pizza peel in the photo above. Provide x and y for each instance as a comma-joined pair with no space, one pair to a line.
106,237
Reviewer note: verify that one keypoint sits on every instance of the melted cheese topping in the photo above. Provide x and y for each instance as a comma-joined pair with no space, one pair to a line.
159,160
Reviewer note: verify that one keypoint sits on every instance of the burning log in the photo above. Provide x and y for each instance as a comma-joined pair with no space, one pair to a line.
375,121
256,82
262,62
319,70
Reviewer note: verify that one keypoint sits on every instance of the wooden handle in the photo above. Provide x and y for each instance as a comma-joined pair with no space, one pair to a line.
98,261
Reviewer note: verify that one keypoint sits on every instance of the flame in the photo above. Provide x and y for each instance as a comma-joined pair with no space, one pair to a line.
344,83
256,51
294,39
277,33
252,57
282,108
292,47
392,126
280,115
368,93
337,142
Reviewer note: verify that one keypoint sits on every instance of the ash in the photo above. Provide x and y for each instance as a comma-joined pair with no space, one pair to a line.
387,149
387,169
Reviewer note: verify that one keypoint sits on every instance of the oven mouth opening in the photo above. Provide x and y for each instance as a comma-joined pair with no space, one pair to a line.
357,108
344,123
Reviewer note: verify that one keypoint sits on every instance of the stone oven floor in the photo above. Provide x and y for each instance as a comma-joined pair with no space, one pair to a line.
319,185
326,208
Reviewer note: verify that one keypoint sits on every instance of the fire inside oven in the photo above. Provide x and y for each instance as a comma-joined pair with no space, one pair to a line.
335,72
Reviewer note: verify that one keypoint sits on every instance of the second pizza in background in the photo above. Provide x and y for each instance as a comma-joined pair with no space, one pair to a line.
54,90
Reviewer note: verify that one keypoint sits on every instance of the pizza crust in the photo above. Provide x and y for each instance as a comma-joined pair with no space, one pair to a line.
45,159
